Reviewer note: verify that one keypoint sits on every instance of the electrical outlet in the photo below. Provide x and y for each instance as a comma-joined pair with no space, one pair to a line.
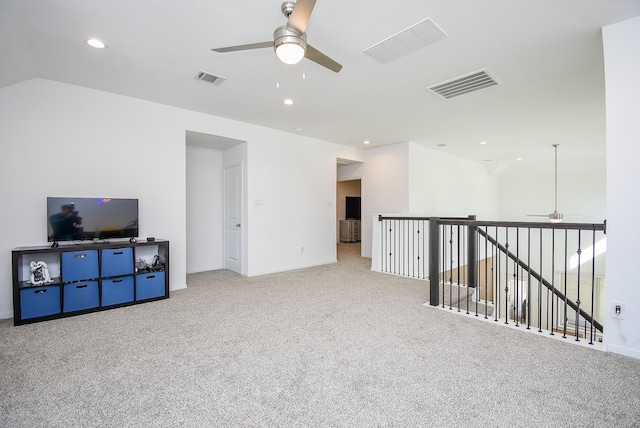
617,310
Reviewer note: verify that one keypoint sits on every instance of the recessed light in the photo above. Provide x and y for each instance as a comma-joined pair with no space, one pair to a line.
288,102
482,143
95,43
518,159
366,142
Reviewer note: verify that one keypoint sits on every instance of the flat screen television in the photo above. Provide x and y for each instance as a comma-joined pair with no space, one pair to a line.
76,219
352,208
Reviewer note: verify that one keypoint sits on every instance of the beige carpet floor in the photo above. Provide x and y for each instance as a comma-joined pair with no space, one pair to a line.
331,346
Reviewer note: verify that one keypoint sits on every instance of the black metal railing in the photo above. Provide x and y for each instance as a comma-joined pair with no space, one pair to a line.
548,276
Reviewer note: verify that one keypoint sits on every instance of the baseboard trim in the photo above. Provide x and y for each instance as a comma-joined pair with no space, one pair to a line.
627,352
290,268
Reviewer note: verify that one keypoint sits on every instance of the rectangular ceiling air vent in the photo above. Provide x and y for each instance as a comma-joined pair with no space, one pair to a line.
211,78
406,41
464,84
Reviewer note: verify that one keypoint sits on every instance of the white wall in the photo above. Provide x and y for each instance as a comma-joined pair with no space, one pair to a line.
527,187
622,68
385,185
205,235
291,204
59,139
411,179
444,185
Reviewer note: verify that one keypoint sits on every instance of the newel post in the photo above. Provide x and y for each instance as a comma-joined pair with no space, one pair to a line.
472,252
434,261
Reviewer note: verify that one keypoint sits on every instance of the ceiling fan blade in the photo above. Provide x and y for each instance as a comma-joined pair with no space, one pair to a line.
319,58
244,47
299,18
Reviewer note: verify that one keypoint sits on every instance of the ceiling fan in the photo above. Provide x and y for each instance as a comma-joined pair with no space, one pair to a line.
555,216
290,40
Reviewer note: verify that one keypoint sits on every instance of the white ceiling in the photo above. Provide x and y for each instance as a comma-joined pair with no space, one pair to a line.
547,55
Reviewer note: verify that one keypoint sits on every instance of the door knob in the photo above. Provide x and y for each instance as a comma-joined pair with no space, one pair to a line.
238,225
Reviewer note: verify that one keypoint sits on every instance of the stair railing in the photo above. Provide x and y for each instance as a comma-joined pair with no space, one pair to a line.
535,273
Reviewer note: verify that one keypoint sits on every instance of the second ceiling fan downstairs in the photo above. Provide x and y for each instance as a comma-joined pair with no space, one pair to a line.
555,216
290,40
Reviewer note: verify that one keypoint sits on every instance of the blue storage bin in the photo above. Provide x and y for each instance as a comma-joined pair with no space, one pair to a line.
149,285
79,296
116,262
79,265
117,290
39,301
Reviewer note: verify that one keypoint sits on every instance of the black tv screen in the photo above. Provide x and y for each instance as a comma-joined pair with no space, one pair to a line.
76,219
352,208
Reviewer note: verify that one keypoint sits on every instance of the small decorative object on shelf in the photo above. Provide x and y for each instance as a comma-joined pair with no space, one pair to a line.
40,273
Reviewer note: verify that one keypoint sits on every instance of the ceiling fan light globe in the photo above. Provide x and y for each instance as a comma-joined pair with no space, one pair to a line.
555,217
290,53
290,45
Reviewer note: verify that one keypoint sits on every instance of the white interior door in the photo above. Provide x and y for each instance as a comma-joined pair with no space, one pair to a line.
233,250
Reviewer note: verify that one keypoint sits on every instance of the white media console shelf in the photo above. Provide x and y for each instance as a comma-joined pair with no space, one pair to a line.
88,277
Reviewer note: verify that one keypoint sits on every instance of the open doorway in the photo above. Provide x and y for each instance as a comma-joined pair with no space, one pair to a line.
207,160
348,211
